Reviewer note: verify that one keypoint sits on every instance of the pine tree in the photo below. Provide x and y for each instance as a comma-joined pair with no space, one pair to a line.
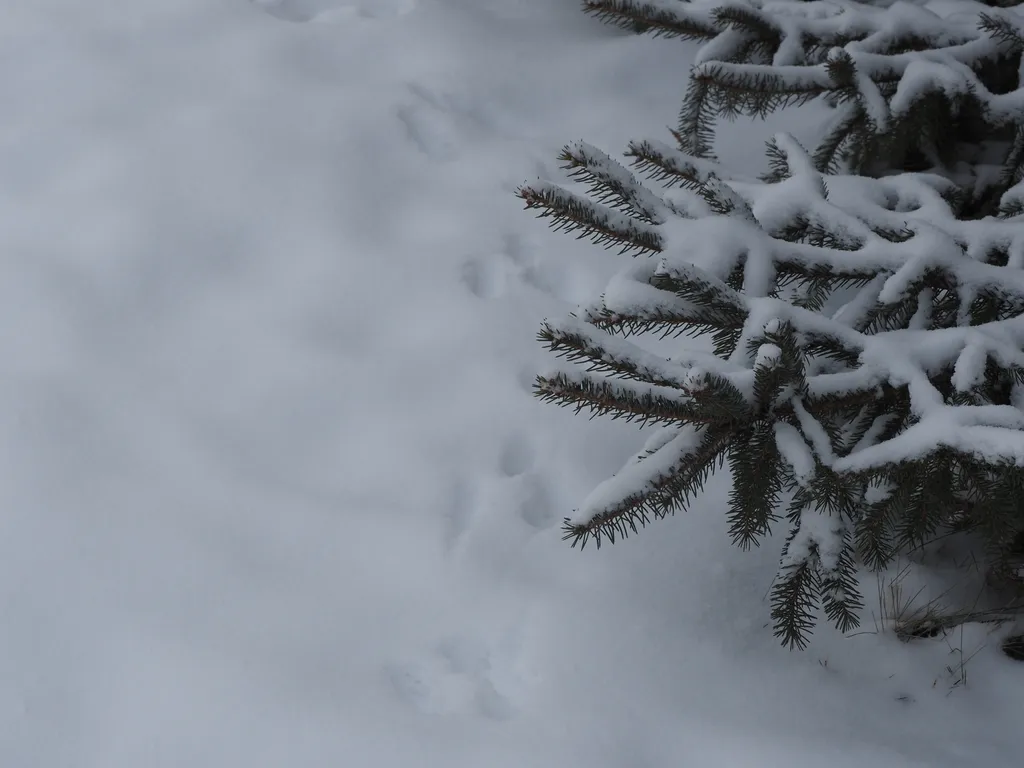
857,360
908,90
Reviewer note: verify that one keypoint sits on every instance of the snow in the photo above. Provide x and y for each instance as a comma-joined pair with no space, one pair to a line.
994,443
768,356
969,370
815,434
819,537
922,76
277,491
795,451
874,102
630,292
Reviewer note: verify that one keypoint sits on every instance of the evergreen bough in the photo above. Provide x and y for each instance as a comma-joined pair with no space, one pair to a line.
857,360
908,90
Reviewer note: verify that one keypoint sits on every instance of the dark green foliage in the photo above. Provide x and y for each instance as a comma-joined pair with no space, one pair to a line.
794,601
859,358
957,108
858,369
1014,647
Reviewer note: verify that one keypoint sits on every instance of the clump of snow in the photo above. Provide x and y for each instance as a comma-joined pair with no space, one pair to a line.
768,356
795,451
878,110
969,370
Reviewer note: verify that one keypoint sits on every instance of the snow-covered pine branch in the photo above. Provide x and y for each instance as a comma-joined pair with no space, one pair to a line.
905,367
910,89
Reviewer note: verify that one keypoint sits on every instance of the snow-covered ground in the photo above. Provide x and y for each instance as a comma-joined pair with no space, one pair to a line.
275,491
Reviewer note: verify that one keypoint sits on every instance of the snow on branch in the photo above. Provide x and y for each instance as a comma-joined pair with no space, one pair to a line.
846,335
603,224
663,18
898,77
609,183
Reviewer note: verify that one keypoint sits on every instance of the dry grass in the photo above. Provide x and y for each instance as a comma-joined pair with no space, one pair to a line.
904,611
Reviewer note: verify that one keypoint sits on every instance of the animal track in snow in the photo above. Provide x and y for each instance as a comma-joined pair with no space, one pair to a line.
524,488
485,518
459,514
487,277
440,124
526,378
545,276
533,502
429,132
515,456
458,677
551,279
334,10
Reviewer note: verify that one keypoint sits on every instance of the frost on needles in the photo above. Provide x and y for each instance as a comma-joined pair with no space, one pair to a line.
907,89
856,360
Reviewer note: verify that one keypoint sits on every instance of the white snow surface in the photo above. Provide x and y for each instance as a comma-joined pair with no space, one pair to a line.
276,492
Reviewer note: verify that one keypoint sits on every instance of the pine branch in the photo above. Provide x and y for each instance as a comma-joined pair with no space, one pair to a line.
828,155
1012,208
663,18
759,29
604,226
931,490
794,600
1013,166
602,397
865,418
881,431
696,132
993,511
823,345
745,89
1009,32
610,184
812,295
664,492
751,64
778,157
579,346
757,484
718,401
695,286
874,534
669,167
778,366
717,309
724,200
666,321
840,595
684,302
893,235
